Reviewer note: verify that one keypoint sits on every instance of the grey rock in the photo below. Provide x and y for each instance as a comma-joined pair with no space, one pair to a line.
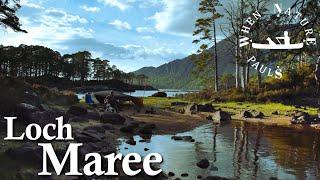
246,114
112,118
221,116
25,153
93,115
159,94
179,104
259,115
77,110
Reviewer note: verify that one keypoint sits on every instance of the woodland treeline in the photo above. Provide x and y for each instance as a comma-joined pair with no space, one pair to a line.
38,61
297,66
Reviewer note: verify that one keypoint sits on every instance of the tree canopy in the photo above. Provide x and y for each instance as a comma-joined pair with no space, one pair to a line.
8,17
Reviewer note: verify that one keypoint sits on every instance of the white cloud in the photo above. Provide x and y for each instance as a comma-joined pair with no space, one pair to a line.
144,30
148,3
58,15
115,3
49,29
27,3
177,17
120,24
147,37
90,9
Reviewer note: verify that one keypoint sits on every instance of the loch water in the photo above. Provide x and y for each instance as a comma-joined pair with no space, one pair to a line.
237,150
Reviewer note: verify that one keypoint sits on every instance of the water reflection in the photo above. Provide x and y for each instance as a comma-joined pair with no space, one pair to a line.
239,150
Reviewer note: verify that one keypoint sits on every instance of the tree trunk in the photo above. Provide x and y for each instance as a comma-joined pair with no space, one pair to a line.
216,78
243,77
247,74
237,63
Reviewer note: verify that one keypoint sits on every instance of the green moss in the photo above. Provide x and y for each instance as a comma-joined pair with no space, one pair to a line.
266,108
160,102
233,107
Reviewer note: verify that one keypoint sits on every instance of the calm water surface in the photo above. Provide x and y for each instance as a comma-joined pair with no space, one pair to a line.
170,93
239,150
139,93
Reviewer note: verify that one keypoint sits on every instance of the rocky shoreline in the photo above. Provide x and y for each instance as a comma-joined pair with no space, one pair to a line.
99,131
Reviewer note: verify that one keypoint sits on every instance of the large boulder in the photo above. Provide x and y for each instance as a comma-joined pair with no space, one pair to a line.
25,110
79,119
105,147
221,116
147,129
205,108
159,94
99,128
246,114
93,115
112,118
89,136
300,117
77,110
31,114
25,153
258,114
191,108
32,98
179,104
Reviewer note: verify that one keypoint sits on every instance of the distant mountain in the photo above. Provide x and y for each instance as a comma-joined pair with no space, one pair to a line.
178,74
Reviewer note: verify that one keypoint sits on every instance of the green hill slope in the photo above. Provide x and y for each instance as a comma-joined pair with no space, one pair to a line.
178,74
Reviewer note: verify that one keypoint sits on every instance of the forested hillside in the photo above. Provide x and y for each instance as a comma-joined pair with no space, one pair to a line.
179,74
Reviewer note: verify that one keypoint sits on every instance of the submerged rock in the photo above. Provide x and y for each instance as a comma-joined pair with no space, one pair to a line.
217,178
203,164
131,141
170,174
183,138
184,175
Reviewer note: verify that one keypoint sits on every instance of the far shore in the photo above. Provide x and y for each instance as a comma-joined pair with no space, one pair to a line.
174,122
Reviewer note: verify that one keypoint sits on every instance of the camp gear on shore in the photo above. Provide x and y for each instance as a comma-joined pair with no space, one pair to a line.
112,101
100,96
88,99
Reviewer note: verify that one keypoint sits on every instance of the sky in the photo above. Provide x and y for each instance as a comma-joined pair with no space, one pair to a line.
129,33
